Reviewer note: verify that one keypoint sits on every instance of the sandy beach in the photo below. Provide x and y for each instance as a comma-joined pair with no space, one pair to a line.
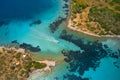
69,25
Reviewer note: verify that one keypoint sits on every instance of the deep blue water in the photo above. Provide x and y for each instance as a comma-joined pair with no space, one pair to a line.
23,9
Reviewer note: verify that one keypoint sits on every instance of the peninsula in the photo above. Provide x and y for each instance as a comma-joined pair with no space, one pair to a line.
18,64
95,17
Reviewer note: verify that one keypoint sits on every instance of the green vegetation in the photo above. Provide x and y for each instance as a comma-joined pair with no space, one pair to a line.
13,64
33,64
114,2
108,19
77,6
12,67
117,8
111,3
38,65
96,16
18,55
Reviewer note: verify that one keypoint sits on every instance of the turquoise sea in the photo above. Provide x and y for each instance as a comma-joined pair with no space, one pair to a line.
41,24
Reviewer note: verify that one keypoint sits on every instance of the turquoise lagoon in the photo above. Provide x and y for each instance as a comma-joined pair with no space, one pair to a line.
77,56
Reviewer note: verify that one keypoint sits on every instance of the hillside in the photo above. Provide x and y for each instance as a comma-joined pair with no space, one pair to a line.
99,17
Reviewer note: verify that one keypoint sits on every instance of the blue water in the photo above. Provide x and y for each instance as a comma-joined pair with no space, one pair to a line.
78,57
23,9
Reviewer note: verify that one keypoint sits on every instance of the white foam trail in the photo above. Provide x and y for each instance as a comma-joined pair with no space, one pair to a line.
44,36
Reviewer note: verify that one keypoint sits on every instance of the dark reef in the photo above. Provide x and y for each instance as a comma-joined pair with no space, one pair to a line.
90,57
66,9
30,47
66,0
74,77
55,25
27,46
37,22
15,41
66,6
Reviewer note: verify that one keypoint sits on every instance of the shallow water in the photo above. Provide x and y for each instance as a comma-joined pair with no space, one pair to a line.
78,57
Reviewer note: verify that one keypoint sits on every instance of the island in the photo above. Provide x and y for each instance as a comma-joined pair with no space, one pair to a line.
95,17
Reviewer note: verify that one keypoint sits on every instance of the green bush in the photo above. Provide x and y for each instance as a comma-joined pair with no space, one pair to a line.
12,67
38,65
18,55
78,6
117,8
111,3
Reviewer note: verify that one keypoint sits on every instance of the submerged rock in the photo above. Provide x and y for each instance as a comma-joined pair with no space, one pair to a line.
27,46
37,22
55,25
30,47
